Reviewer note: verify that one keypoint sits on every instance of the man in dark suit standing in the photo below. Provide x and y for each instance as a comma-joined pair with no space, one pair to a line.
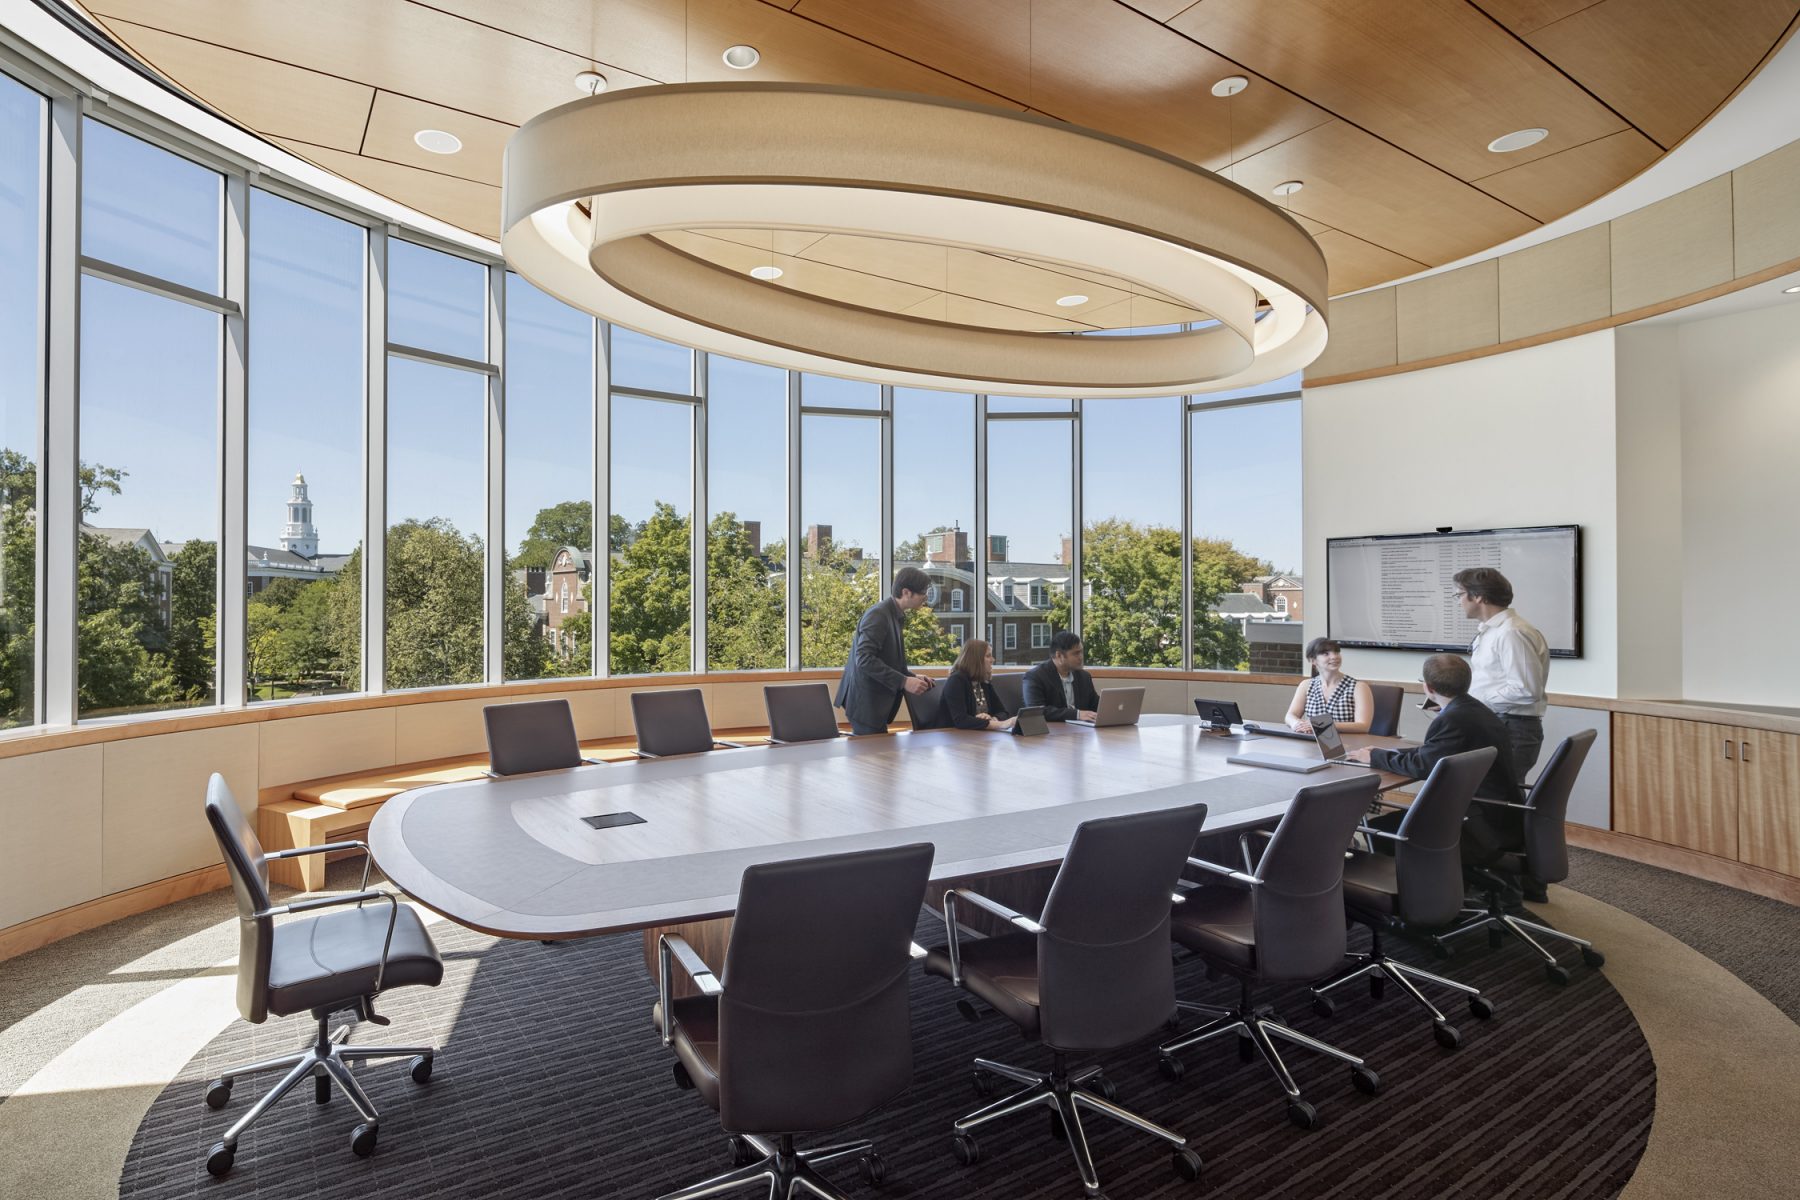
1463,723
1060,685
877,673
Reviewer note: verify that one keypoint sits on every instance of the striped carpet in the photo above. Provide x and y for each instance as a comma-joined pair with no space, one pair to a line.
550,1083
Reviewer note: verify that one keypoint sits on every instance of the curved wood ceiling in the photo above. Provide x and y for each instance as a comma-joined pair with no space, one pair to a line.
1384,108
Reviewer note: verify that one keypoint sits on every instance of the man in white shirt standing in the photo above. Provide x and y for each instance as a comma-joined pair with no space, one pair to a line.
1510,660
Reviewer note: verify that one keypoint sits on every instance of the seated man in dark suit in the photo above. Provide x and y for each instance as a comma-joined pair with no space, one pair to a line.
1060,685
1463,723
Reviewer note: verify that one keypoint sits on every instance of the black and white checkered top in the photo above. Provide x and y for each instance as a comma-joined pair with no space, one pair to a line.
1339,706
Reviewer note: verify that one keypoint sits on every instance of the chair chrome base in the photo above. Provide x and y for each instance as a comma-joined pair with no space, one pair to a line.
784,1172
1063,1093
1379,968
1499,921
1259,1027
328,1060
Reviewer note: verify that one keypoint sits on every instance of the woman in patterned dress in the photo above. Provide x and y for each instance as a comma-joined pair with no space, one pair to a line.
1330,693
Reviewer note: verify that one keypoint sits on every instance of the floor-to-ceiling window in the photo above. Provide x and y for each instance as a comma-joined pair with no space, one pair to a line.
934,510
22,118
746,524
841,572
1130,533
152,244
1031,523
651,479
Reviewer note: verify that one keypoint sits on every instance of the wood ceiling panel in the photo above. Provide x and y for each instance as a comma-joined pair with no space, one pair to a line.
1359,184
461,202
966,310
1136,312
272,98
1665,65
988,44
1524,16
800,274
394,46
1438,80
395,119
1355,264
1562,183
1100,277
778,241
1160,10
648,37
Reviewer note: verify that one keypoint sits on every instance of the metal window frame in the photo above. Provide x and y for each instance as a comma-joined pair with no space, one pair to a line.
373,655
494,580
600,608
59,483
794,459
231,572
697,524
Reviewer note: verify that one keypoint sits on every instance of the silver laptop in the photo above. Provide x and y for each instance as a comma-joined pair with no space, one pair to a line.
1118,706
1331,751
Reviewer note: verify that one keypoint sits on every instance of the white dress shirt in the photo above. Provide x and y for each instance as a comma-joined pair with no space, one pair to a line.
1510,661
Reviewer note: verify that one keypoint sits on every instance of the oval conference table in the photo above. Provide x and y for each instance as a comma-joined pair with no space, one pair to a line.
638,845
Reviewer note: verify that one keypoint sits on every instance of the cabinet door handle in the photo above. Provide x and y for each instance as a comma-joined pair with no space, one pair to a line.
1744,752
1728,749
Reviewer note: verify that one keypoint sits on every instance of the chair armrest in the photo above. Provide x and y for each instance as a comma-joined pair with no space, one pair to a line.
331,848
1000,910
1504,804
980,901
1381,833
1378,802
1244,846
914,950
718,745
1228,872
357,898
644,754
672,949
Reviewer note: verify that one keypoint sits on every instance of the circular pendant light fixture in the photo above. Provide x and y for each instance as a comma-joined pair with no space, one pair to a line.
604,198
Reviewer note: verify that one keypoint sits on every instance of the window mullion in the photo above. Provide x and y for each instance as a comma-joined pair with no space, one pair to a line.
233,547
59,475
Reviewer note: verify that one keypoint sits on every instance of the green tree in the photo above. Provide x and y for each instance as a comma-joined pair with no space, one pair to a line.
570,523
339,624
1220,569
433,605
835,590
525,652
120,630
193,593
746,605
652,581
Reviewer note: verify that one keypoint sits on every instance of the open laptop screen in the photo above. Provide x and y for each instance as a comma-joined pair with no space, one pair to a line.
1331,745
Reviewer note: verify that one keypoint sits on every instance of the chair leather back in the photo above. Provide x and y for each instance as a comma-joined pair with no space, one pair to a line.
1299,907
926,710
1009,689
243,855
815,1029
1384,721
1546,843
800,712
535,736
671,722
1105,974
1428,863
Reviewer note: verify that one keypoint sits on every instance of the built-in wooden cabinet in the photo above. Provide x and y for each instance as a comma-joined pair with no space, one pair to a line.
1722,790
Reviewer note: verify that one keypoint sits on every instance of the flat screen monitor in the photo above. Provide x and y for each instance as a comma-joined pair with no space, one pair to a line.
1396,591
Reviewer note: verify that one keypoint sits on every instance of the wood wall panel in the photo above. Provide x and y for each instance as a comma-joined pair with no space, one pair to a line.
270,97
1438,80
50,832
1443,314
152,792
1769,800
1765,205
1672,783
423,732
1562,183
328,744
1363,335
1673,247
1664,65
394,120
1556,284
461,202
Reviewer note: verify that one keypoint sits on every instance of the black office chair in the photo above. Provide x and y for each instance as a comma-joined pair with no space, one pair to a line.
535,736
1384,721
1542,852
1417,890
810,1028
800,712
1009,689
1284,924
672,722
926,710
321,965
1093,975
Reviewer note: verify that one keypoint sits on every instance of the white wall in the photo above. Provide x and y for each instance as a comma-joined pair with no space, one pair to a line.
1650,516
1522,438
1740,488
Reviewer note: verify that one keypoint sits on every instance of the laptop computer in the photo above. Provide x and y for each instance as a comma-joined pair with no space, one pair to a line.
1219,713
1331,751
1030,722
1118,706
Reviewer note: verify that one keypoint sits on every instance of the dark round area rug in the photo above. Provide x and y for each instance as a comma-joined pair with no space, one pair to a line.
550,1082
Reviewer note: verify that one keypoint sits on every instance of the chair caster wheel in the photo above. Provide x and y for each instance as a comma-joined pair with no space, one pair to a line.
1446,1035
969,1012
742,1152
966,1149
1323,1006
1481,1008
1558,975
683,1080
1302,1115
984,1084
1246,1050
1103,1087
1377,987
321,1089
1441,949
1170,1068
218,1094
1367,1082
1058,1130
1495,938
1187,1164
218,1162
420,1068
874,1169
1592,957
362,1140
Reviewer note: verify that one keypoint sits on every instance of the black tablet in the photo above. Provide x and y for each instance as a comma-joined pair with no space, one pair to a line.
1030,722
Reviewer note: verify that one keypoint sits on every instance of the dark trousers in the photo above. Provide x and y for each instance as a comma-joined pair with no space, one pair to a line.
857,727
1527,741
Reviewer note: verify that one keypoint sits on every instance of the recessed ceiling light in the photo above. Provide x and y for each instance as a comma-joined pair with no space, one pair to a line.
1072,301
1231,85
1793,291
742,58
1517,140
770,273
1288,188
590,83
437,141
